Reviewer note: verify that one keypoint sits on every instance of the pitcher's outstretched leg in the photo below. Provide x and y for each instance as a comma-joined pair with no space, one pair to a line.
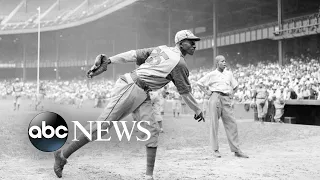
60,156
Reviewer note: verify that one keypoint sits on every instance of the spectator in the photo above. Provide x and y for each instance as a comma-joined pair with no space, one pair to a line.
291,94
313,92
305,93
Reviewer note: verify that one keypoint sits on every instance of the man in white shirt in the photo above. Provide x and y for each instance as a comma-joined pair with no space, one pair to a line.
221,85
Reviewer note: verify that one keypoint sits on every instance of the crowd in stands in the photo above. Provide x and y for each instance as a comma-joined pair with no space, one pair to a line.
63,91
297,79
300,76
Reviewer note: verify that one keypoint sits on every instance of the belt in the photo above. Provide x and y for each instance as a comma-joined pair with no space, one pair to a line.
221,93
139,82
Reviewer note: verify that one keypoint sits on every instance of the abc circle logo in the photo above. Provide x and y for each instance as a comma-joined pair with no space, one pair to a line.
48,131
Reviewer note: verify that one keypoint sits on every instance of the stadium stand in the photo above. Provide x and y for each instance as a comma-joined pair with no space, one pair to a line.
249,40
24,14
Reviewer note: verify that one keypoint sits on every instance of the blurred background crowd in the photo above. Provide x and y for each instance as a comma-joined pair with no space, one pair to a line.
298,79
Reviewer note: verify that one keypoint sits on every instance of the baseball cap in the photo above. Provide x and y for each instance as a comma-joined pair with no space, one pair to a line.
185,34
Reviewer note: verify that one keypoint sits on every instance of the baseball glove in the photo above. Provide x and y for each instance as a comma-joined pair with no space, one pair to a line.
199,117
100,65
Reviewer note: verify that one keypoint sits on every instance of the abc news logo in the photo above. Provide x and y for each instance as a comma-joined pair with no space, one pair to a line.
48,131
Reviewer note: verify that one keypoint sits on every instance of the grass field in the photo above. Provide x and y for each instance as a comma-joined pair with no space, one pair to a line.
277,151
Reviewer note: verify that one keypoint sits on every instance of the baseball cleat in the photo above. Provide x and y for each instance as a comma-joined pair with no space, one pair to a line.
59,163
241,154
217,154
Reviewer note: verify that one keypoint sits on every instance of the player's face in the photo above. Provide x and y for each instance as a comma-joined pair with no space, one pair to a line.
222,64
188,47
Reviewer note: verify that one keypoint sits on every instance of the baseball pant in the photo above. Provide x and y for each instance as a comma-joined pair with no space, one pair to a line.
279,110
157,109
221,106
262,107
157,116
279,113
17,98
163,105
126,98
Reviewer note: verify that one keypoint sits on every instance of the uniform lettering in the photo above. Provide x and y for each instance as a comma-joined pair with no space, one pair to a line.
155,57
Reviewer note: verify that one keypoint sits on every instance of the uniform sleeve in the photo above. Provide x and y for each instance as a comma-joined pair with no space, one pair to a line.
191,102
179,76
138,56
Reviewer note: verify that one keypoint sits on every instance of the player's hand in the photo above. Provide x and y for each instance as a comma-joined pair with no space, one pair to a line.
89,74
199,117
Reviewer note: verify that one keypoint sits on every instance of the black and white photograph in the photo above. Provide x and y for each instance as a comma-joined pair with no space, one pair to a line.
159,89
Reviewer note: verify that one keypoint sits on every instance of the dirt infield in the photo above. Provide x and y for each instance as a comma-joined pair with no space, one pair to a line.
277,151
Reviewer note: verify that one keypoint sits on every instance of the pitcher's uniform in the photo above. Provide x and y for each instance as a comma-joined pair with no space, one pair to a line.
17,93
158,66
131,94
262,102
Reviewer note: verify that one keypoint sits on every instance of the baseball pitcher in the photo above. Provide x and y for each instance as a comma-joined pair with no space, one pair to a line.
157,67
